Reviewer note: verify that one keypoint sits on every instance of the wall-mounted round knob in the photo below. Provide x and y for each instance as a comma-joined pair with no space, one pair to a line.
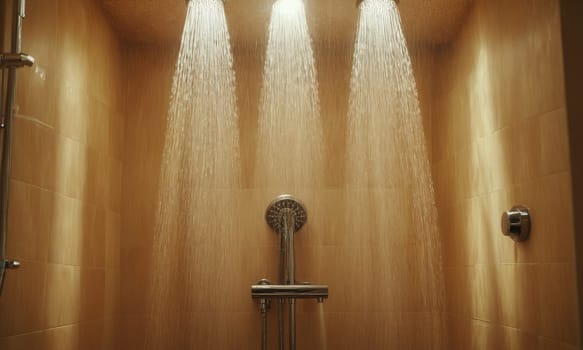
516,223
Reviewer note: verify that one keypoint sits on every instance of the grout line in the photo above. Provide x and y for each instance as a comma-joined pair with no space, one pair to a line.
494,324
509,264
35,121
44,330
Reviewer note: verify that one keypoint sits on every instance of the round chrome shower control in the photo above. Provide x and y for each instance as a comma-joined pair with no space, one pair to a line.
263,282
516,224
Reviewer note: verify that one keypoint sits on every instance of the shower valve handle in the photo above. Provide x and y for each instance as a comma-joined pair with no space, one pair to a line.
516,223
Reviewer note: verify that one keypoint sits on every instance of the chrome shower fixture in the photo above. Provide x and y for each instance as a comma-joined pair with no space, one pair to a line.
285,215
17,60
11,61
516,223
283,207
267,291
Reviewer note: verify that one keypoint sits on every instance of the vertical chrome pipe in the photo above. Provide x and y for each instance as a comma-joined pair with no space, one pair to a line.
16,46
292,324
282,249
264,331
264,306
289,222
264,309
289,229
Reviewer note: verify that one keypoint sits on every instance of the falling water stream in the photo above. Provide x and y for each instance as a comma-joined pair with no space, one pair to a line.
388,169
289,143
387,174
200,170
289,138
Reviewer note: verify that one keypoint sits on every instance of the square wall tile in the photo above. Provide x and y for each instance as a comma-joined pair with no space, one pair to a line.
30,222
63,296
23,302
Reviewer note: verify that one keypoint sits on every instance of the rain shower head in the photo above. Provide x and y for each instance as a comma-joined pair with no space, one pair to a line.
284,206
187,1
358,2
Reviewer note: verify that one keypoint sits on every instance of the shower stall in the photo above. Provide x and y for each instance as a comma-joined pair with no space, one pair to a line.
150,137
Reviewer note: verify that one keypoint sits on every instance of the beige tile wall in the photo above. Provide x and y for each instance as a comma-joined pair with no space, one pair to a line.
66,184
500,138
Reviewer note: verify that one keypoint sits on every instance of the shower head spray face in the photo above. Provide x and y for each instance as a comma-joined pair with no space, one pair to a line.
284,206
188,1
358,2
